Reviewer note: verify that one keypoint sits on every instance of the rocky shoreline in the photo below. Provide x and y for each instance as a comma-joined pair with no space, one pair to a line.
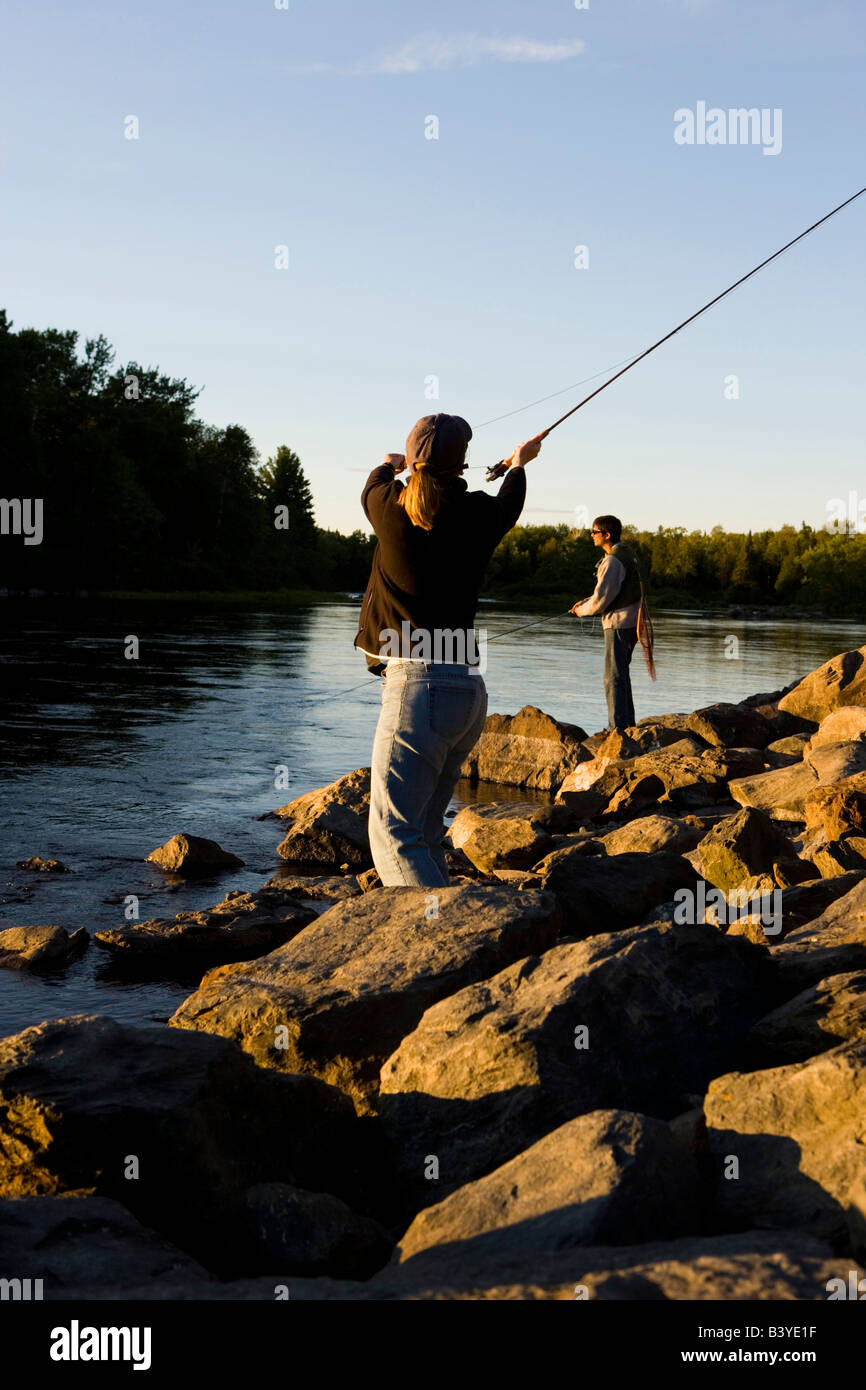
623,1056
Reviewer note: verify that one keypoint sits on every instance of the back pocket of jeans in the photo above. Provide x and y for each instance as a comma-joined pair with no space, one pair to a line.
451,707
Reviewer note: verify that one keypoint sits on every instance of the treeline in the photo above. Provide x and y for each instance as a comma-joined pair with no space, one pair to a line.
806,569
139,494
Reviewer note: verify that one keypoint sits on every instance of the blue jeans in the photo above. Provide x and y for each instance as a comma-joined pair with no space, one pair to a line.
432,717
619,643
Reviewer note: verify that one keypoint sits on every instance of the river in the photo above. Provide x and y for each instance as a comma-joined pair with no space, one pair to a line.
103,758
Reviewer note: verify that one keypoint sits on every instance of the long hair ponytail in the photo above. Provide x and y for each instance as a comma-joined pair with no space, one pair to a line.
435,453
421,498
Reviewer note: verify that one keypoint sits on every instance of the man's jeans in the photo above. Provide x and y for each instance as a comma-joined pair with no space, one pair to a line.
432,716
619,643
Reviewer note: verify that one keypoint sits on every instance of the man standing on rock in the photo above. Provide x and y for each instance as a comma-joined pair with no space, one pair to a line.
617,597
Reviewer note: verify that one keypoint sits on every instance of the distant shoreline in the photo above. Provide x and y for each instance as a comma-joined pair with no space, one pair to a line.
666,602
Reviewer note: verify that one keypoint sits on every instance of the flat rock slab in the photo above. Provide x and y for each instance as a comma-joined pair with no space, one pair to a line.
796,1133
817,1019
606,893
319,887
606,1178
840,681
41,948
329,826
589,1025
783,792
242,926
191,854
79,1097
751,1265
338,999
527,749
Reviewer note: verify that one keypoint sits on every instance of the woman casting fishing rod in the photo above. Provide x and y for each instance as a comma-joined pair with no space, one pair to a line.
417,630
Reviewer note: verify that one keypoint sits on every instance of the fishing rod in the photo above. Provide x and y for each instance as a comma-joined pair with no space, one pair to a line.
498,469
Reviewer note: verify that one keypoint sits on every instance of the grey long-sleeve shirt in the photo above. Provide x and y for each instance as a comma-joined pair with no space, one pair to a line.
611,574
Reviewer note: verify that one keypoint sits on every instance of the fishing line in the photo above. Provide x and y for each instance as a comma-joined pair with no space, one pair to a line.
502,466
315,699
498,469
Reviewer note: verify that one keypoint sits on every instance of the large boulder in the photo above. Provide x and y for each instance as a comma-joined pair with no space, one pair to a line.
797,905
527,749
329,826
173,1125
649,834
840,856
242,926
832,943
747,1266
843,725
821,1017
191,855
839,807
741,845
783,791
73,1242
293,1231
590,1025
609,1177
793,746
658,731
722,725
507,834
684,775
604,894
840,681
788,1147
46,947
731,726
338,999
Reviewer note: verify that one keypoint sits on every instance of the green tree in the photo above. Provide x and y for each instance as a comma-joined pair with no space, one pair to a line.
289,520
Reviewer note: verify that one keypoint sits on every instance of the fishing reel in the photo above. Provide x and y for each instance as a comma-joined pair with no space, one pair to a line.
498,470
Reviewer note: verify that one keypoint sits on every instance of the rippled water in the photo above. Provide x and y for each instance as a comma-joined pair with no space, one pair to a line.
105,758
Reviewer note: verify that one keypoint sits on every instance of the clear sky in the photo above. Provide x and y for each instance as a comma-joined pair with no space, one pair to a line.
410,257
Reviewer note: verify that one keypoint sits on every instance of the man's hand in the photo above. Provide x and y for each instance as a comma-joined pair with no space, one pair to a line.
396,461
576,606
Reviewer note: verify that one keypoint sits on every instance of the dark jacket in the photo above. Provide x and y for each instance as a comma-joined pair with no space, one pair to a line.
430,579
